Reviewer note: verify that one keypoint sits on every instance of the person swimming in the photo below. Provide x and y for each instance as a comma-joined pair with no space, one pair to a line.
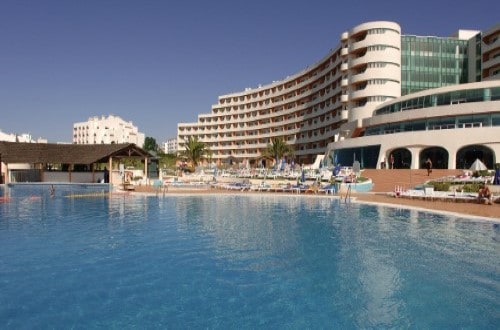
52,191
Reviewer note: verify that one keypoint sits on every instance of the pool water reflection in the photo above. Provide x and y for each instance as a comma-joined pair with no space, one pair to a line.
241,262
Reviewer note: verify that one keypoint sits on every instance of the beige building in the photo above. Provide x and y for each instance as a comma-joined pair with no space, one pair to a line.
107,130
491,53
452,126
306,109
330,101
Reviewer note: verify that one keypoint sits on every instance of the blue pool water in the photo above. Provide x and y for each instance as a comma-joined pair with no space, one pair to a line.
226,262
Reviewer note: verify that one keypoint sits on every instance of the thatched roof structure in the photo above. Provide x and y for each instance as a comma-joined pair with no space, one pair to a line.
35,153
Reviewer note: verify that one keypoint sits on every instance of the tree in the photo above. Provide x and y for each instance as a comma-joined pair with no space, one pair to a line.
278,149
150,144
166,160
195,150
209,154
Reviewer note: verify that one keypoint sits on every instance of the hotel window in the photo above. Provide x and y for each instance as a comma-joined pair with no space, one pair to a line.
495,93
495,119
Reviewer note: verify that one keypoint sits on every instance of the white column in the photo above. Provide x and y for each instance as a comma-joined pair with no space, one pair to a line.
415,152
110,170
452,158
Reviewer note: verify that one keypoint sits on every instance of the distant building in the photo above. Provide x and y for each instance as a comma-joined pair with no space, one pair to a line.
107,130
170,146
24,137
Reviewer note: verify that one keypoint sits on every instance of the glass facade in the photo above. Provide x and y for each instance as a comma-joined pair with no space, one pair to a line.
367,156
478,68
431,62
436,100
468,121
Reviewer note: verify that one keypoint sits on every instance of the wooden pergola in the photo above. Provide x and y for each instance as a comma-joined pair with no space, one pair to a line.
40,154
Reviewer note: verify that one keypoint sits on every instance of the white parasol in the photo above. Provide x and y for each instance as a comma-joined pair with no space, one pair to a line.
478,166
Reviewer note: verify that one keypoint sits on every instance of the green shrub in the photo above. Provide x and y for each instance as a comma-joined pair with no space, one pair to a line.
471,187
440,186
361,179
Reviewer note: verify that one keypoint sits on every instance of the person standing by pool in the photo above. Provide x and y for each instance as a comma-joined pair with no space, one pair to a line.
428,166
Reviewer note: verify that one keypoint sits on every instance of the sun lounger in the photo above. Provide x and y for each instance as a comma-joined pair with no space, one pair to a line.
260,187
328,189
128,187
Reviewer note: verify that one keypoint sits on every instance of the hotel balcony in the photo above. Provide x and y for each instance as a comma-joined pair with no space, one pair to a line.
491,63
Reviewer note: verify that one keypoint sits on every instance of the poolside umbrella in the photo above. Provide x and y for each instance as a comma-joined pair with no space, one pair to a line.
336,170
478,166
303,176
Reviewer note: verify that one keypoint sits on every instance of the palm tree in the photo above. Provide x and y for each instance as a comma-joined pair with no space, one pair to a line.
209,155
278,149
195,150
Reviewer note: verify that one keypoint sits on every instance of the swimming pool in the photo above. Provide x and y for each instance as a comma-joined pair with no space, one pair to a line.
244,261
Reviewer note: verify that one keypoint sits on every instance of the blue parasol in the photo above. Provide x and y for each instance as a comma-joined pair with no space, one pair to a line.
336,170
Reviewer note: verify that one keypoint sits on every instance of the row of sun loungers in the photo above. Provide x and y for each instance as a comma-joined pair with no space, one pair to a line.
286,188
431,194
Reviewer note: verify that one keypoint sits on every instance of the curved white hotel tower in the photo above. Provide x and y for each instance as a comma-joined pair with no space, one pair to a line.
328,107
308,108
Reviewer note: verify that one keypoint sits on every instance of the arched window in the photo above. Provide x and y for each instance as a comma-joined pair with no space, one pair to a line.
439,157
468,154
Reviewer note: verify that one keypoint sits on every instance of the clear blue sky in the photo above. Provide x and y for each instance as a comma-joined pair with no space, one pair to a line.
158,63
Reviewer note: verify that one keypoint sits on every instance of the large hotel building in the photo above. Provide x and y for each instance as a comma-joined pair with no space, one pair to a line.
378,94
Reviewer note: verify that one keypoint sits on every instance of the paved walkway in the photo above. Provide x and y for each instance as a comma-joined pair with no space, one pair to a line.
481,210
385,181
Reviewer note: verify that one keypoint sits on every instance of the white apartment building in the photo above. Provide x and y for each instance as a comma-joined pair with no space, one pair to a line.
107,130
306,109
170,146
24,137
